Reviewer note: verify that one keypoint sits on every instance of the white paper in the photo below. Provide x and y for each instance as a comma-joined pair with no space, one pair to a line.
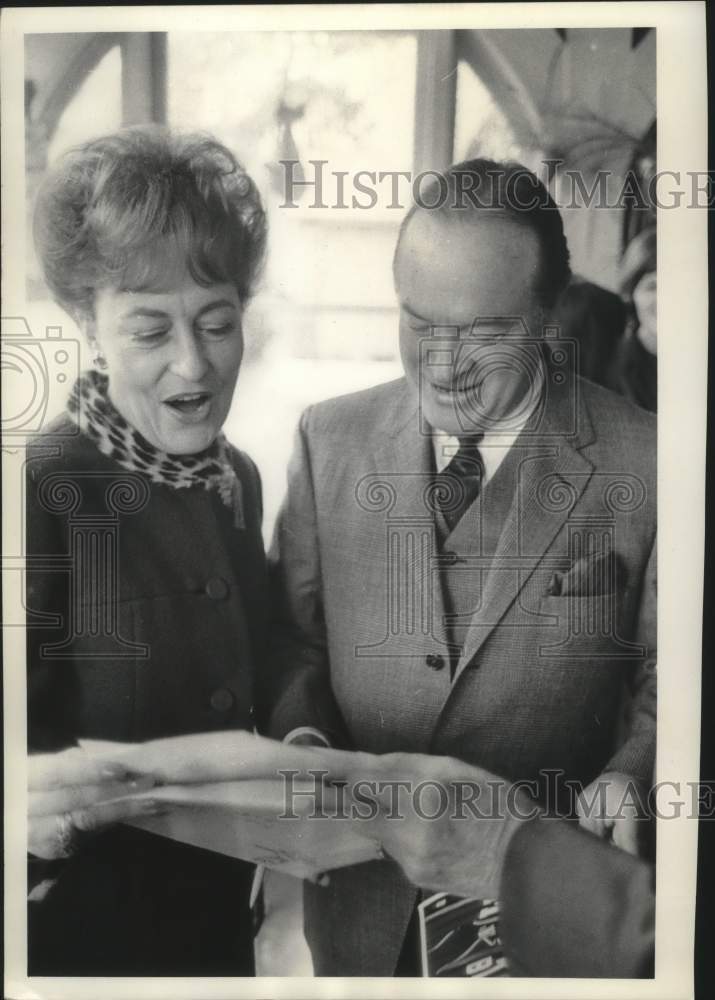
224,792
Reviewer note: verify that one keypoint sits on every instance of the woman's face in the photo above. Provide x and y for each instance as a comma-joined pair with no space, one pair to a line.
173,357
645,300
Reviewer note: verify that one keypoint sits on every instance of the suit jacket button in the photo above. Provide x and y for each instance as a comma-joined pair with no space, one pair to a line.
222,700
434,661
217,588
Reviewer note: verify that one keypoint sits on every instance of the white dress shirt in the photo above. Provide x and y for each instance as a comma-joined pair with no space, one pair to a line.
494,446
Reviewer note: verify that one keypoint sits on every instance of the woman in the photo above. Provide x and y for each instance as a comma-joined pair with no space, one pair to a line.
635,369
146,592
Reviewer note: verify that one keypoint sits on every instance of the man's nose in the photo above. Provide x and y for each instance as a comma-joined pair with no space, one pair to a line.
189,359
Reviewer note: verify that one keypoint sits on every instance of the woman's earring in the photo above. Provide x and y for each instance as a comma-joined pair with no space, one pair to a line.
98,359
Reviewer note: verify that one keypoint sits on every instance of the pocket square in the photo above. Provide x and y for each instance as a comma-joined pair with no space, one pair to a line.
595,575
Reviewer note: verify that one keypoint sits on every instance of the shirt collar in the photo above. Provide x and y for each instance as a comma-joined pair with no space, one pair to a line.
495,444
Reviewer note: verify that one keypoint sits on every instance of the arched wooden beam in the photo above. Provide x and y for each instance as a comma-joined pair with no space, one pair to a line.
504,82
57,92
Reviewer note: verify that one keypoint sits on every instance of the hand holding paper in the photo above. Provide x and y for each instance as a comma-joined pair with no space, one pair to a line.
70,795
248,797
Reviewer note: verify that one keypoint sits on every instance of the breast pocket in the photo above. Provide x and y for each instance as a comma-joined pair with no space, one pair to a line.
580,615
585,628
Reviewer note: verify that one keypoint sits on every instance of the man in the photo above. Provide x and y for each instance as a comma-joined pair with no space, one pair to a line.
465,561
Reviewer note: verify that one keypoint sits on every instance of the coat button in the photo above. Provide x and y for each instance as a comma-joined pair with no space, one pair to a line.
222,700
450,558
434,661
217,588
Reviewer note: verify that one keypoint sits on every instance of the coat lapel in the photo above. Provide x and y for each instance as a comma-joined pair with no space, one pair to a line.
552,475
403,464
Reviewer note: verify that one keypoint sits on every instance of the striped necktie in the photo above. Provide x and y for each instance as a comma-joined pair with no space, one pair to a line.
467,467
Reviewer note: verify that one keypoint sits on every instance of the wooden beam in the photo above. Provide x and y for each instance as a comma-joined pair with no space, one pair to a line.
59,91
144,77
503,79
435,99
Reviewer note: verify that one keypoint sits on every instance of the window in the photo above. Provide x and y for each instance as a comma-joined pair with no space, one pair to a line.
481,127
311,96
95,109
73,88
325,319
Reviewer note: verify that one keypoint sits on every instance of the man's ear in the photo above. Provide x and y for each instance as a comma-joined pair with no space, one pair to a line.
545,317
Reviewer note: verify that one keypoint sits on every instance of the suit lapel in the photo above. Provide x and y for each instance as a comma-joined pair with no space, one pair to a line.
551,477
403,462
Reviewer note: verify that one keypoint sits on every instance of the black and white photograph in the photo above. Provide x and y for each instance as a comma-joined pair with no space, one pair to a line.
348,493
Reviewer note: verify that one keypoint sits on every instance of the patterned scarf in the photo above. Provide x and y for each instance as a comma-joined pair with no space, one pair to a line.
93,412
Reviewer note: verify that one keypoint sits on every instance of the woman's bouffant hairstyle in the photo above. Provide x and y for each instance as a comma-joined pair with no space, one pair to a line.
114,211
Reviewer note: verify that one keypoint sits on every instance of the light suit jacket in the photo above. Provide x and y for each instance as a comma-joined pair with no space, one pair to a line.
360,648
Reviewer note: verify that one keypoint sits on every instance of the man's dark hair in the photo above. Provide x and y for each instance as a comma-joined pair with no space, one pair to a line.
470,189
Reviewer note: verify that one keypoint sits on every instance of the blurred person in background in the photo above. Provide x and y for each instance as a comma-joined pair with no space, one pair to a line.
596,319
152,242
635,370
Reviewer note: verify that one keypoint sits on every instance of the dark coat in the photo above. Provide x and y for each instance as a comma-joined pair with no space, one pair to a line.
575,907
634,373
146,618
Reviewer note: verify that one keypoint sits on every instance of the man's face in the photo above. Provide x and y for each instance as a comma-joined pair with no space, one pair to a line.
463,288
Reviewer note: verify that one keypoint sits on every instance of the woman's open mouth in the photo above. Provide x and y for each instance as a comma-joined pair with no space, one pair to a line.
193,406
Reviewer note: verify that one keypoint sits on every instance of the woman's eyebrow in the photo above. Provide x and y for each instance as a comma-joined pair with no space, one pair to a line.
217,304
144,312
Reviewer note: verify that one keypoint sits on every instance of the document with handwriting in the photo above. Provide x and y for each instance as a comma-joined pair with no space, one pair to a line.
248,797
